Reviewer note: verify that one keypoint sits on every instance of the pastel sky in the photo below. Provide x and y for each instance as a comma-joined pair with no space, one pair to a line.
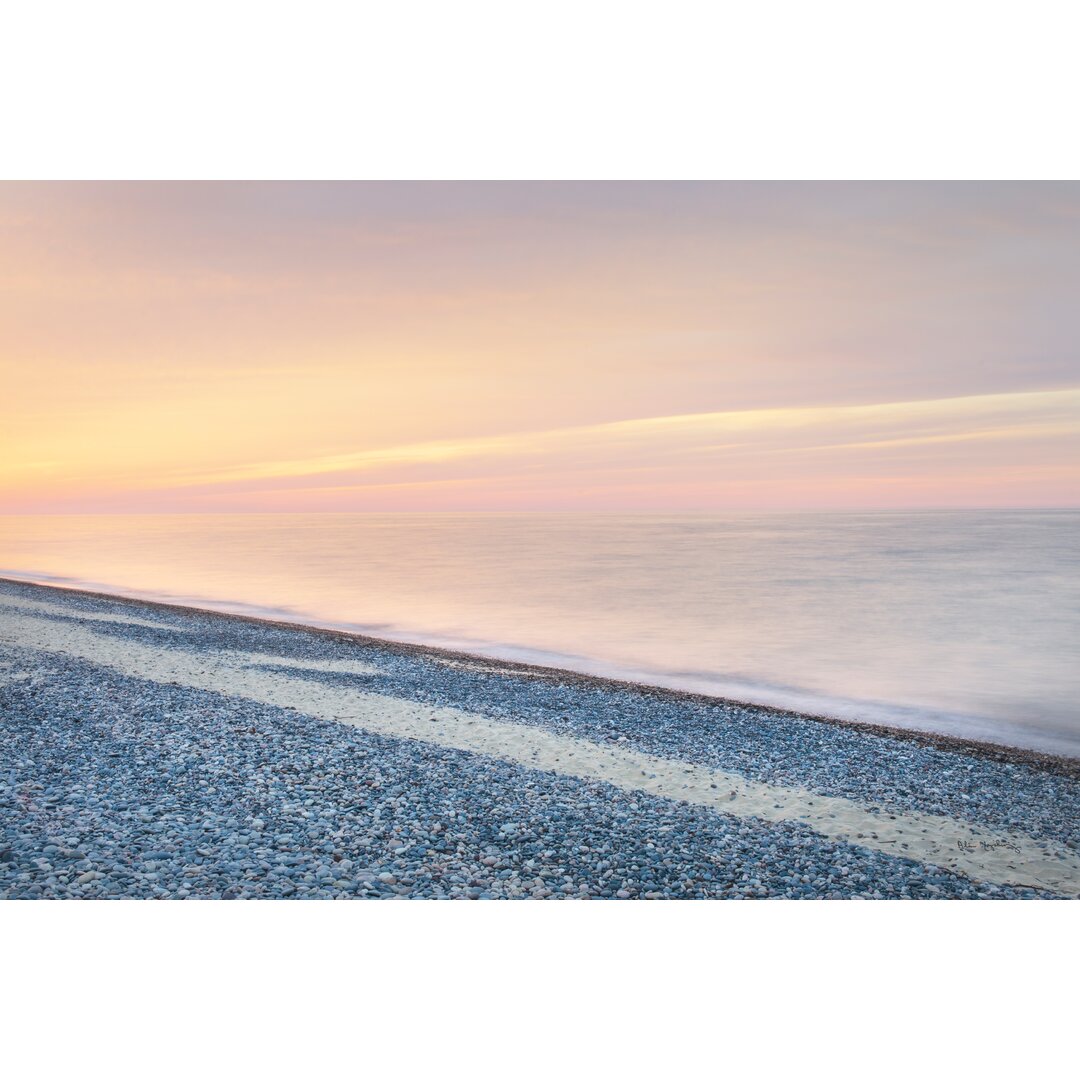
459,346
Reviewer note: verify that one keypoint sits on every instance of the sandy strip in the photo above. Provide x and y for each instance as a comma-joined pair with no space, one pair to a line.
340,667
93,616
345,667
978,852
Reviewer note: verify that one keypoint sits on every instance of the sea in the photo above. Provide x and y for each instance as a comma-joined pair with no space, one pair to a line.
960,622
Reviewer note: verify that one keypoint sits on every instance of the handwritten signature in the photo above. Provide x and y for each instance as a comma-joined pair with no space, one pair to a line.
988,845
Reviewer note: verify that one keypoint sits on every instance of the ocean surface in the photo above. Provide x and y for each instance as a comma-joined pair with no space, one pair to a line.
962,622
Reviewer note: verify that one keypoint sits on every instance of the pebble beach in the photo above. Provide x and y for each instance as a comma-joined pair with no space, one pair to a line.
151,751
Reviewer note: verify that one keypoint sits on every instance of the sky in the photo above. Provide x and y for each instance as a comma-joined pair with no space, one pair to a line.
553,346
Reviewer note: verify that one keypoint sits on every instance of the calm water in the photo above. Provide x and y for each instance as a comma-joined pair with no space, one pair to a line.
965,622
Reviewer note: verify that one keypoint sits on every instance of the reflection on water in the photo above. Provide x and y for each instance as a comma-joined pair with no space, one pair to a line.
966,622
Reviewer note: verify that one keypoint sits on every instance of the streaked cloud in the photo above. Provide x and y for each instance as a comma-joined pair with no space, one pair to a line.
893,425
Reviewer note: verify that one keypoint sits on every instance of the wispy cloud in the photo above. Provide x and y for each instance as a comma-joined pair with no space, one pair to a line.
702,438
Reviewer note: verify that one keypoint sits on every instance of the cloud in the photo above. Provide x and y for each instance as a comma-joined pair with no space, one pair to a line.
694,445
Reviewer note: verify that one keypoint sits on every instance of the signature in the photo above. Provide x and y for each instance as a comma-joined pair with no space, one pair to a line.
988,845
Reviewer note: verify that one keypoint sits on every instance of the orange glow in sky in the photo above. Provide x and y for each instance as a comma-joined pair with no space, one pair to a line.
637,346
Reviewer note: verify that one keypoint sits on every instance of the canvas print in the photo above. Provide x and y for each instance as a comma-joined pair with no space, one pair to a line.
489,541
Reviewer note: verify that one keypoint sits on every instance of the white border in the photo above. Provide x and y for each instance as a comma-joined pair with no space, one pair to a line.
588,89
501,989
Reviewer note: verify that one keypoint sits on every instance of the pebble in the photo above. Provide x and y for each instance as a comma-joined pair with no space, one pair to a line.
164,791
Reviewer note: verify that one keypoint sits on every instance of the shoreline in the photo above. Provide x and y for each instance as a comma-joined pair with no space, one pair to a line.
1063,765
161,750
